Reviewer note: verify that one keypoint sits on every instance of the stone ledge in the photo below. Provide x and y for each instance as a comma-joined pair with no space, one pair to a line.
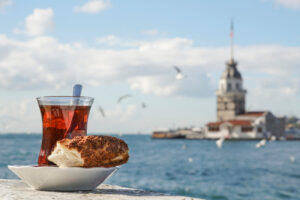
17,190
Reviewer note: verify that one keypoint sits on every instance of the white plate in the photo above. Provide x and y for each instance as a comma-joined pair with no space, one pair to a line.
62,179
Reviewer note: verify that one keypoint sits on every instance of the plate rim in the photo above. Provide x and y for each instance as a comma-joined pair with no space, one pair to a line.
55,167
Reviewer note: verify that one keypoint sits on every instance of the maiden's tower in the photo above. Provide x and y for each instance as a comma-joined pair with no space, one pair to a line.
233,121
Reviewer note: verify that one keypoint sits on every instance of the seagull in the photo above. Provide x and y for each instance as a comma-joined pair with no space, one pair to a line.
123,97
190,160
292,159
219,142
273,138
101,111
143,105
179,74
261,143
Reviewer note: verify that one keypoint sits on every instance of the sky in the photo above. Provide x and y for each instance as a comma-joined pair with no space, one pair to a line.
115,48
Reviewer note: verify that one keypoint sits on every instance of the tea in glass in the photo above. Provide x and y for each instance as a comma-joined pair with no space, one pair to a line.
62,117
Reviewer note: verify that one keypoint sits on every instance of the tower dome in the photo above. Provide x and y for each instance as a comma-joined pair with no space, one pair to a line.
231,79
231,71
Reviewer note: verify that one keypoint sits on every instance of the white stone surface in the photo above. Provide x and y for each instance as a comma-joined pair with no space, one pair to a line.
18,190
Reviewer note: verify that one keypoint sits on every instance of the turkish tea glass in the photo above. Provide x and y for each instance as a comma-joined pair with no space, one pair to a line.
62,117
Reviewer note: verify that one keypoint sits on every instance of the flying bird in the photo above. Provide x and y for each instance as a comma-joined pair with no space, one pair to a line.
292,159
102,111
261,143
179,74
273,138
143,105
123,97
219,142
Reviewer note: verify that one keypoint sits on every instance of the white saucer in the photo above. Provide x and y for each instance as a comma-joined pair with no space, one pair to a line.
62,179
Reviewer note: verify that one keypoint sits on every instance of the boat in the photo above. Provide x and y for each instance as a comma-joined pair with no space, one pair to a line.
167,135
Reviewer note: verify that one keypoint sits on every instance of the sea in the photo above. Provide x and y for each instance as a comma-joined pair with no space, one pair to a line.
195,168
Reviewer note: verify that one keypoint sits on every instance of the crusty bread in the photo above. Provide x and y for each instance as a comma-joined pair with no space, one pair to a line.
90,151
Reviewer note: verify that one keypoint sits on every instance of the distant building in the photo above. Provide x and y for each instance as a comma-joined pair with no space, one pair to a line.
233,121
249,125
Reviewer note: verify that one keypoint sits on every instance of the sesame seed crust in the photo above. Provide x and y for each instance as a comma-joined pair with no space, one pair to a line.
99,151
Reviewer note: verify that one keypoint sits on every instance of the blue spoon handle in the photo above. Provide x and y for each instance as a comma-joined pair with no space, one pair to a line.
77,90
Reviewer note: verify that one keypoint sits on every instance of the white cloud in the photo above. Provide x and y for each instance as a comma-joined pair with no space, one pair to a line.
119,113
278,94
43,62
156,85
18,115
270,73
122,113
114,41
288,87
4,3
196,84
151,32
37,23
93,6
109,40
292,4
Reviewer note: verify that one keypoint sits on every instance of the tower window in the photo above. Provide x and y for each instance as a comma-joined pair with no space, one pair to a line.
213,129
237,86
259,129
247,129
229,86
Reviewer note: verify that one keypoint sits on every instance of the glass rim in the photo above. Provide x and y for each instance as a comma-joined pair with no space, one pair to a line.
65,100
68,97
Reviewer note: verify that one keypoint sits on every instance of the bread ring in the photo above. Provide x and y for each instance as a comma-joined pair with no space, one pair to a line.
90,151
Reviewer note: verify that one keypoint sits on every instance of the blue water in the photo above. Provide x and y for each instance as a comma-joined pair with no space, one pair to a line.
237,171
